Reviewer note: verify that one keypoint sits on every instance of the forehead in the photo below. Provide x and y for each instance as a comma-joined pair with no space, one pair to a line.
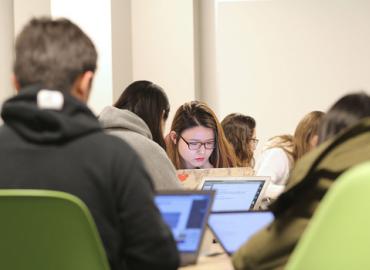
198,133
254,133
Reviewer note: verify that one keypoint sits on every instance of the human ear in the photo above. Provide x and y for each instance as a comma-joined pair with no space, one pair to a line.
173,136
82,86
314,141
15,83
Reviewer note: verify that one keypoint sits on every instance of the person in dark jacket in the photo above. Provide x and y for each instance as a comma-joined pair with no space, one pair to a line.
51,140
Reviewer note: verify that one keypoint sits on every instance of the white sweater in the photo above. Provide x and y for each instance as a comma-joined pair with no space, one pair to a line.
274,162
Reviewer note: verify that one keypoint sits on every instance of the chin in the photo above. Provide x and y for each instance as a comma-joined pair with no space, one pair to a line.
200,166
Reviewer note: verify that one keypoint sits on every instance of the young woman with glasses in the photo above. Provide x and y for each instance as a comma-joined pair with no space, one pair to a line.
240,131
197,140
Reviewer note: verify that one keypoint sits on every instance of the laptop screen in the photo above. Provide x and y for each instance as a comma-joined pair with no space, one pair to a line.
233,229
239,195
186,214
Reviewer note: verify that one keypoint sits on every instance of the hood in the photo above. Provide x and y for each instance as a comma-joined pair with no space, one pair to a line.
44,119
114,118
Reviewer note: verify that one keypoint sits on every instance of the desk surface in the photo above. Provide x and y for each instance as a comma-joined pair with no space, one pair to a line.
218,262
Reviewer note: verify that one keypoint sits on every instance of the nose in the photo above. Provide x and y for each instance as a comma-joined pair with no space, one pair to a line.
202,149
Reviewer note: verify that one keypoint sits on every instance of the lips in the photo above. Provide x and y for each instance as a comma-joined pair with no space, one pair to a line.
200,159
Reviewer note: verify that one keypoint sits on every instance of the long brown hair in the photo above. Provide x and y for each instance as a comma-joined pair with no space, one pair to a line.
238,129
306,129
196,113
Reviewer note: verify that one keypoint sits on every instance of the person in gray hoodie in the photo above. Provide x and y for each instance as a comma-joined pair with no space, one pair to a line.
138,118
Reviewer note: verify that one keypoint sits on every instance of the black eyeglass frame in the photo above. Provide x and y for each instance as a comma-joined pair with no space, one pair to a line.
198,145
254,141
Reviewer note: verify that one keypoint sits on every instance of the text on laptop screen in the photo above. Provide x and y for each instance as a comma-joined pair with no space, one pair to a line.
234,229
185,214
234,195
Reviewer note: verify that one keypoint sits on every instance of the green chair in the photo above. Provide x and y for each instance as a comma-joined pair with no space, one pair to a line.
47,230
338,236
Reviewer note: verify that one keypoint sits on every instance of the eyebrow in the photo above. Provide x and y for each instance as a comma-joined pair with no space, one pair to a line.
195,140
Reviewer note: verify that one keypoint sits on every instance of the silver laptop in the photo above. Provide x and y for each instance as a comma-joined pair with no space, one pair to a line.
236,193
192,178
233,229
186,213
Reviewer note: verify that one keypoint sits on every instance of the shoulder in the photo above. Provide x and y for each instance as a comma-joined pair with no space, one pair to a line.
148,150
140,143
274,150
154,158
275,153
103,140
107,149
275,163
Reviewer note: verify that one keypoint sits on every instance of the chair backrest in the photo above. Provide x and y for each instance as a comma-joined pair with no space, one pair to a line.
44,230
338,236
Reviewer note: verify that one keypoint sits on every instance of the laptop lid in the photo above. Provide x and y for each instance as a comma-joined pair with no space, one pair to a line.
192,178
233,229
186,213
236,193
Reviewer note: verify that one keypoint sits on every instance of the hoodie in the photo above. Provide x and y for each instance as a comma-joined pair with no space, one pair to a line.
132,129
50,140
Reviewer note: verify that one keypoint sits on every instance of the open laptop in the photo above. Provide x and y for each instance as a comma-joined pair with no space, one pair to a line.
186,213
192,178
233,229
236,193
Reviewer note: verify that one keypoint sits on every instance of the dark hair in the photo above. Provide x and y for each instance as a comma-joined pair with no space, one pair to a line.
150,103
346,112
52,54
196,113
238,129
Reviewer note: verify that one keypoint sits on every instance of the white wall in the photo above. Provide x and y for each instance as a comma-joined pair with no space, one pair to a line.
280,59
163,47
13,15
206,68
121,46
275,60
94,17
6,49
24,10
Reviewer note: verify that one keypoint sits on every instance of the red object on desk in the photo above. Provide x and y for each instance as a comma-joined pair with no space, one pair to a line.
182,177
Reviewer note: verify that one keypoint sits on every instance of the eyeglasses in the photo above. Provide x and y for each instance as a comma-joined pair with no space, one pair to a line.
197,145
254,141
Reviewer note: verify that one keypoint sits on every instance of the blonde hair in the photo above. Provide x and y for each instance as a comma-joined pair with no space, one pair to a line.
299,144
284,142
196,113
